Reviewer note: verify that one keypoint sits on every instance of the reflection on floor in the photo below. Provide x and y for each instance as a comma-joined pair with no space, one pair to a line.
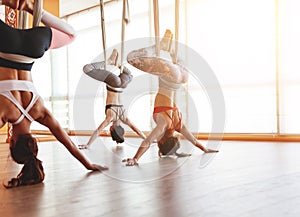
243,179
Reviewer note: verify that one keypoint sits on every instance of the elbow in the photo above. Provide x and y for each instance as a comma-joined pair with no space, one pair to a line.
146,143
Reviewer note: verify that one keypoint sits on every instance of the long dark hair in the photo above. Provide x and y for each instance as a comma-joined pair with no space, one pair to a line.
24,151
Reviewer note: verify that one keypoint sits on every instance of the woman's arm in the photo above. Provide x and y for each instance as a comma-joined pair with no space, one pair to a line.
49,121
156,133
189,136
134,128
96,133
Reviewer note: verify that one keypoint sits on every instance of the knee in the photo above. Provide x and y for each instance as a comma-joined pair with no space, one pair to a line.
125,79
113,80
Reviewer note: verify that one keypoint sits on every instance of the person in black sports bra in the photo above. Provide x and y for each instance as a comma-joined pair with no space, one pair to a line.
166,115
114,111
20,103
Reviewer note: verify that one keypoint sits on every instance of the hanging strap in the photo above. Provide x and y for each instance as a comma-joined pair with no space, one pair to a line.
22,20
156,26
103,31
176,30
125,20
37,12
37,15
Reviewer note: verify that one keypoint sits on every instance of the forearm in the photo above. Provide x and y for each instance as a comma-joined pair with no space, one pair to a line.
156,133
196,143
142,149
189,136
61,135
63,138
135,129
96,133
93,137
140,133
79,156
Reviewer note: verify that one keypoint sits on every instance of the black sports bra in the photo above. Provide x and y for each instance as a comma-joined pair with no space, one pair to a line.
32,43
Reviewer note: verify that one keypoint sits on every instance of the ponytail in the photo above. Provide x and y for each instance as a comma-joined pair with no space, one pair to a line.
24,151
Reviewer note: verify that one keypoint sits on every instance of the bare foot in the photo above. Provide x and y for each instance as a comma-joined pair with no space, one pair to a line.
166,42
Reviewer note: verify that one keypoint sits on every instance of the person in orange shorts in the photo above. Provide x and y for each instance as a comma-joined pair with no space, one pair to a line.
166,115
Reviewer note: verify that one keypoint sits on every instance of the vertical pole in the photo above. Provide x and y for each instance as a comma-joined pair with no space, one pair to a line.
37,12
103,31
278,122
156,26
11,19
125,20
22,19
176,29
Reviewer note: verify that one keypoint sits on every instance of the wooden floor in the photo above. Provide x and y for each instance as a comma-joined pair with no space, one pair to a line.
245,179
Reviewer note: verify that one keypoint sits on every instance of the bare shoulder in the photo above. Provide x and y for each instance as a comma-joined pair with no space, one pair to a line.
39,110
8,111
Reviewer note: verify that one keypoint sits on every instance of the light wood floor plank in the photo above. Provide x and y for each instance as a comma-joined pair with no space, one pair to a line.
249,179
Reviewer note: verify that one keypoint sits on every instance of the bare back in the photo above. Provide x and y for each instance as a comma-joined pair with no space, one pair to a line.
8,110
14,74
165,98
115,113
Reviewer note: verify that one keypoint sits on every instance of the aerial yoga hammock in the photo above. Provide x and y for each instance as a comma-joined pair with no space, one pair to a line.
104,71
160,59
107,71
